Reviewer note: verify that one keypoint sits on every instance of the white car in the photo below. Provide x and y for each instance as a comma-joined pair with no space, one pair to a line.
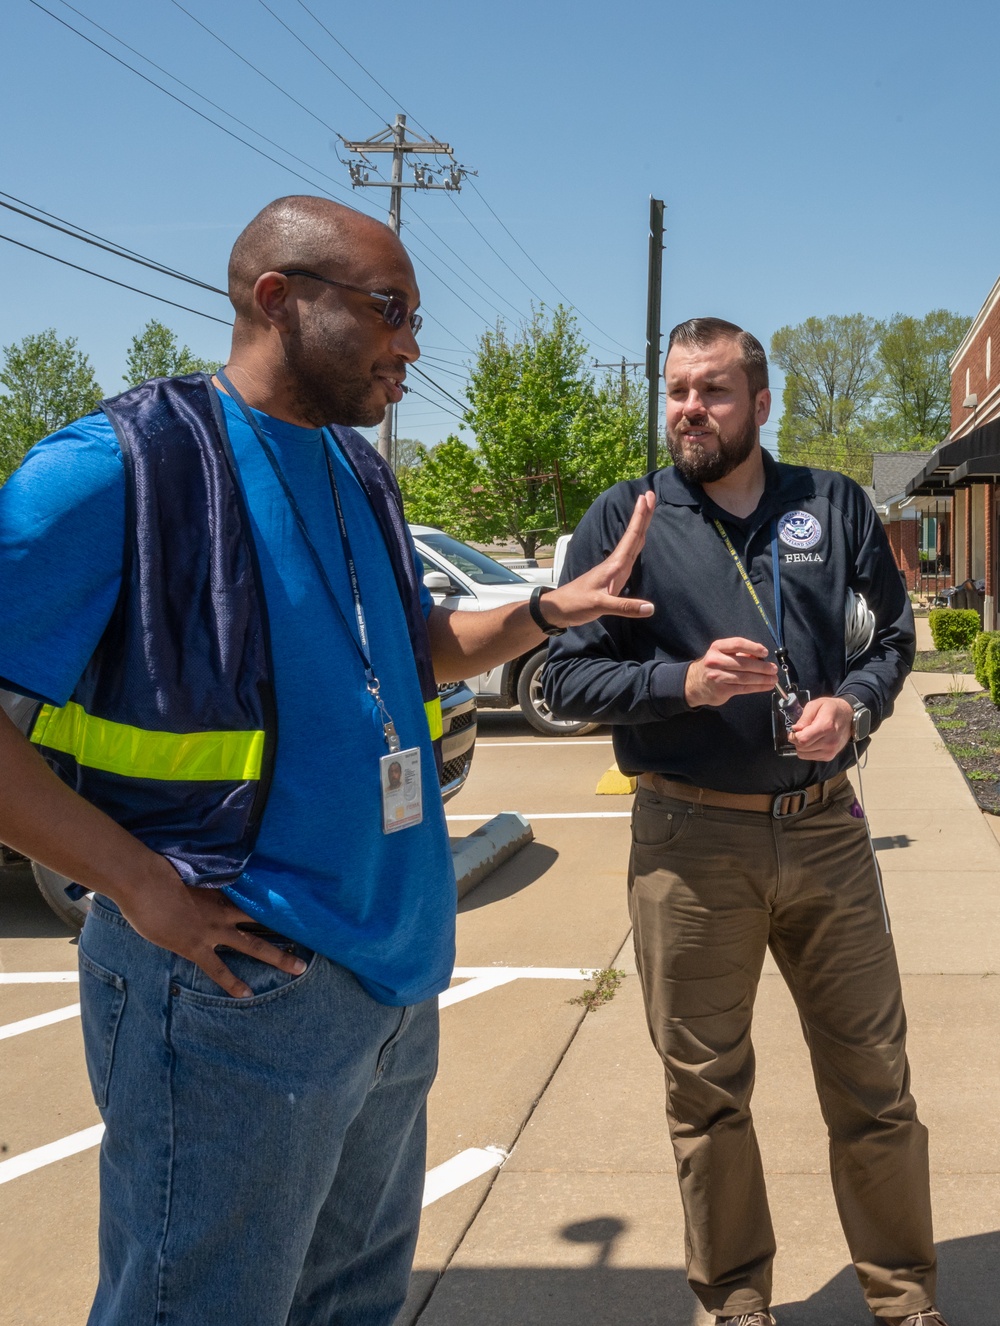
466,580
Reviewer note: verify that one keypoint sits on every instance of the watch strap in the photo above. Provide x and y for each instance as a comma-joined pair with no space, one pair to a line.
536,612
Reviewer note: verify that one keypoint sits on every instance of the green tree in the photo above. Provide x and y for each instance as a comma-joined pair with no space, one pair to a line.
831,381
609,437
525,395
549,440
914,354
47,383
155,353
447,486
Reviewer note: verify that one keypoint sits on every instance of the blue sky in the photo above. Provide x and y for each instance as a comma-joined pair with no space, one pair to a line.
814,159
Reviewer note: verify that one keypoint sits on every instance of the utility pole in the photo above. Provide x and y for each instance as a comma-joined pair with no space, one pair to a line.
653,336
393,139
624,366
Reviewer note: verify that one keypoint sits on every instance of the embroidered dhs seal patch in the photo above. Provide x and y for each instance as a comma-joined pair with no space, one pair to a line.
799,530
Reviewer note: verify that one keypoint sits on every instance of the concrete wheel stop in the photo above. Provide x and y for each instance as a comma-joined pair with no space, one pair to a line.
482,851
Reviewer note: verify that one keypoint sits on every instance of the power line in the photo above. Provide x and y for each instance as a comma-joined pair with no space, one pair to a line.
386,91
443,408
461,278
122,249
216,124
101,277
284,91
539,269
439,367
441,240
108,247
201,114
365,71
438,323
327,67
437,386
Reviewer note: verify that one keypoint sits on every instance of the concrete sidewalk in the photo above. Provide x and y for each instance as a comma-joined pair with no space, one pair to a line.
583,1222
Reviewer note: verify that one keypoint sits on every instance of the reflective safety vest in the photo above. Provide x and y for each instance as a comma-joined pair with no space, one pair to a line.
172,728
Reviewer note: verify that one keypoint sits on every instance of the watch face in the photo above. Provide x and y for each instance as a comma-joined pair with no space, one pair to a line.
862,724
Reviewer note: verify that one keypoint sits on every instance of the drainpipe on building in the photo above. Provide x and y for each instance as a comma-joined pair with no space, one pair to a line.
967,524
989,600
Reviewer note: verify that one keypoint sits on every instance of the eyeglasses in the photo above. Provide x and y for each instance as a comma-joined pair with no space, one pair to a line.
395,312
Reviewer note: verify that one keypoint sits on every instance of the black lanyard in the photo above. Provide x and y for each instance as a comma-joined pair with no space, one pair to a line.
360,642
776,630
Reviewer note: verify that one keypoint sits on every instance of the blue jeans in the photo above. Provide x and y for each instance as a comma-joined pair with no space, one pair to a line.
264,1158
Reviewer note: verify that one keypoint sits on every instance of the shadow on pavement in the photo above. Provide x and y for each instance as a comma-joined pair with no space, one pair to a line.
967,1289
604,1295
24,913
529,864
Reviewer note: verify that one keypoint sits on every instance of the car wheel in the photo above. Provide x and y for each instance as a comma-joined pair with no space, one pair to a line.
534,707
52,887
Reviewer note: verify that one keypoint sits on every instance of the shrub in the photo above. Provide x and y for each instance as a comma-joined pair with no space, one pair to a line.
978,651
954,628
992,666
986,661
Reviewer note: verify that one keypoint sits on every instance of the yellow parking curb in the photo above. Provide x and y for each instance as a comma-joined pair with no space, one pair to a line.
615,783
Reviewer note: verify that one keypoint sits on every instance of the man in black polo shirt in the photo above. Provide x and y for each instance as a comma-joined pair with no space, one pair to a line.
738,845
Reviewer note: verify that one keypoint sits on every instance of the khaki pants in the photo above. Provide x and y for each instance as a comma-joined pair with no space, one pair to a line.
709,891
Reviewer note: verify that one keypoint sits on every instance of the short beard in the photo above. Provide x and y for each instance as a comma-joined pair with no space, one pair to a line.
323,398
697,465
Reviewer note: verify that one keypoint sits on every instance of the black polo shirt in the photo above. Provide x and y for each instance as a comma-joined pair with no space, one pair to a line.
631,673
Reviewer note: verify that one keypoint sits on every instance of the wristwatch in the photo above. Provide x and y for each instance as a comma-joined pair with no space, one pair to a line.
861,724
536,612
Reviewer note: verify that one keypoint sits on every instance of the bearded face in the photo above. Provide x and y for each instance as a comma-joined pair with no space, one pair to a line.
703,451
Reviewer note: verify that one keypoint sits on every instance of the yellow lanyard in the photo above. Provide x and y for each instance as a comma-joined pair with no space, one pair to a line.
774,634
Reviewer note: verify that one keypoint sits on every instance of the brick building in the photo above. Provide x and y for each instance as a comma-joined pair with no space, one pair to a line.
966,466
918,528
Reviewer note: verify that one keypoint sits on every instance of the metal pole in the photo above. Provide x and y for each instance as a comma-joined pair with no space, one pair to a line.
395,203
654,296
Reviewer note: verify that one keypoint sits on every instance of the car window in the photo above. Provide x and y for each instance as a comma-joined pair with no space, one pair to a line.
477,566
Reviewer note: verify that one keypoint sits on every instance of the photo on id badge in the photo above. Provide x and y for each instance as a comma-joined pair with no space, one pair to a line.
402,802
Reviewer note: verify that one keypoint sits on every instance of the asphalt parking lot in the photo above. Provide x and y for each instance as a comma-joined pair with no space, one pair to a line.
556,908
550,1194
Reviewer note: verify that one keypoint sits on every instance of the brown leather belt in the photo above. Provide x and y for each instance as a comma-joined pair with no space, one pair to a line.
780,805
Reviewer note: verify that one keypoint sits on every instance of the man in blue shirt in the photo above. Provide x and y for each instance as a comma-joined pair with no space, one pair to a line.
237,683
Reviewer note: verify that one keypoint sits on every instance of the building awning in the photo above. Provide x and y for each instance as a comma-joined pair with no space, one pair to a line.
974,458
978,470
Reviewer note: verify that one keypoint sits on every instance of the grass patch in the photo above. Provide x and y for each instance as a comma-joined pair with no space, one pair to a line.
944,660
970,730
606,982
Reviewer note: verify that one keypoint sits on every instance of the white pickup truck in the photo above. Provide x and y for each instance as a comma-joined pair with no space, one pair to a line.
466,580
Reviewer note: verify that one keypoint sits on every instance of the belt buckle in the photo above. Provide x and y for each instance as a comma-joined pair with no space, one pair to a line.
789,805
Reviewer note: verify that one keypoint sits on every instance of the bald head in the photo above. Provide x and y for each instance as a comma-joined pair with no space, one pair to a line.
299,231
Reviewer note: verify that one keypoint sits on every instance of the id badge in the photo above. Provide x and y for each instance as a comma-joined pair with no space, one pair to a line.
779,727
402,797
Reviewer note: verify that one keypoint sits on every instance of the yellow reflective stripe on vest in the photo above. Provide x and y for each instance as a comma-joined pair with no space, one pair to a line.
116,748
432,708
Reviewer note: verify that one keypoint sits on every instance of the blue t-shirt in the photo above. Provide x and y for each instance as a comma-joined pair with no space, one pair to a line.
322,871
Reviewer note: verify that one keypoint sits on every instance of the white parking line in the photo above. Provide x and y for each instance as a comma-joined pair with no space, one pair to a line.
478,985
42,1020
461,1169
561,743
438,1182
530,973
36,977
51,1152
477,980
547,815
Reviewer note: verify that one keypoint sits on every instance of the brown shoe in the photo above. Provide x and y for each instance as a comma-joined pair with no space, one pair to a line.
929,1317
751,1319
